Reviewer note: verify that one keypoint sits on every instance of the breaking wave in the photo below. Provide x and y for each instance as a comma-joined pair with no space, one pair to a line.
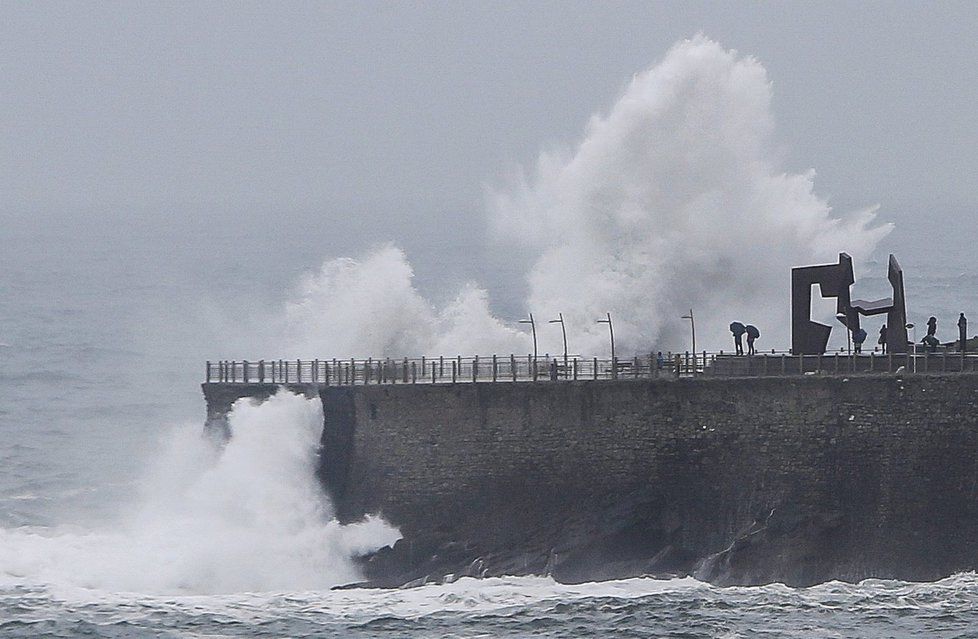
214,518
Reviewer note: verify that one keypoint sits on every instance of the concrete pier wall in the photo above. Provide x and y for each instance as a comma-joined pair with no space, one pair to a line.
751,480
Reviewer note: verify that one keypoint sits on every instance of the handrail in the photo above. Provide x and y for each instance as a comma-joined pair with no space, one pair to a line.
513,368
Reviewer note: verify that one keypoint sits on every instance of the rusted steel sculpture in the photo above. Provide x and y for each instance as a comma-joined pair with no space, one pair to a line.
835,280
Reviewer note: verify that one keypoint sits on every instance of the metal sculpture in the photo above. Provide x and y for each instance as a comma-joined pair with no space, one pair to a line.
835,280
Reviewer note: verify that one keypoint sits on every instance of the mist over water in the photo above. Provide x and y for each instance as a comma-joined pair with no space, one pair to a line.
674,199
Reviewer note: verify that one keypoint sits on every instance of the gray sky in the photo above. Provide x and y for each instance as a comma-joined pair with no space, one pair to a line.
186,113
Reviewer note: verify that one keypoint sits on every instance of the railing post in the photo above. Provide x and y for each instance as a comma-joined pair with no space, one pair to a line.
234,371
533,366
614,368
495,369
678,364
441,366
208,371
404,371
458,358
635,368
454,371
512,365
424,371
475,369
244,371
414,372
353,372
315,371
433,372
575,369
298,371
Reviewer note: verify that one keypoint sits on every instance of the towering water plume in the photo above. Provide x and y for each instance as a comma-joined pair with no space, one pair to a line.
672,200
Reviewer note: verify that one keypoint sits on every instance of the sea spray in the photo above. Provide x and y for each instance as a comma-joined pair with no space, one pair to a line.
674,199
370,307
245,516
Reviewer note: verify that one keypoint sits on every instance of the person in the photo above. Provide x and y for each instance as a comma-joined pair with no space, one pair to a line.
738,331
931,342
882,339
858,337
752,334
963,332
659,360
932,326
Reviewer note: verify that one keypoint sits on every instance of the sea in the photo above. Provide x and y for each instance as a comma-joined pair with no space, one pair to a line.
119,518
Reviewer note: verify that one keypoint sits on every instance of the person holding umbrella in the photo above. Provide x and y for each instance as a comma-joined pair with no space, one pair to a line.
752,334
738,331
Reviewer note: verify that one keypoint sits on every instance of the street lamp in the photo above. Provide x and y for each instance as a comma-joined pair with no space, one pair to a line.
533,329
611,331
913,328
692,328
842,318
563,330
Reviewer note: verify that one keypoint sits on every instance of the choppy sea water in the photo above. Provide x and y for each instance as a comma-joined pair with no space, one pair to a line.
515,607
99,374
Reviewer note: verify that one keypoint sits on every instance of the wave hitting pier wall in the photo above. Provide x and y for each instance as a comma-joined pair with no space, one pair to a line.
736,481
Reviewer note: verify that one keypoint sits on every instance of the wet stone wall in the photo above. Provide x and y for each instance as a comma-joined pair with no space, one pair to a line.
798,480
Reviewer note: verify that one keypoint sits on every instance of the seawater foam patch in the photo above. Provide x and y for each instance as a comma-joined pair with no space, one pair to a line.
246,516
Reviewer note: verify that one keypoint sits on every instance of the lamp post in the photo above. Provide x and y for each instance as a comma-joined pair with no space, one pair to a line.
692,328
533,329
845,322
913,328
611,331
563,330
842,318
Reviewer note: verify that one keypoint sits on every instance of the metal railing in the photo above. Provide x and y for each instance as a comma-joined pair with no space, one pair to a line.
512,368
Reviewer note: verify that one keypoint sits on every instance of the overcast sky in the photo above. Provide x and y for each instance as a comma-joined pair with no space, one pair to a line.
178,112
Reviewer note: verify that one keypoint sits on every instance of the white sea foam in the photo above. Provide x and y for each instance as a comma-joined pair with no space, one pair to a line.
674,199
247,516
